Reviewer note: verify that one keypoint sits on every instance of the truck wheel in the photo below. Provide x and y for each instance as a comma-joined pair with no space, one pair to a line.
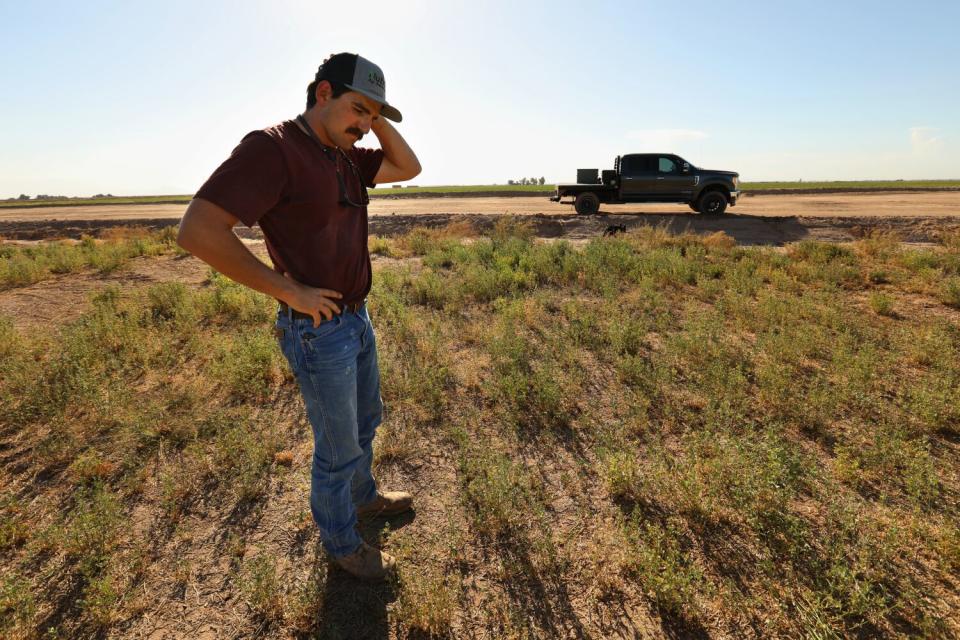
712,203
587,203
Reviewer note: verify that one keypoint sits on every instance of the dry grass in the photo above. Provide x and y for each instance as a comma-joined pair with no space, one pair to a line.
654,434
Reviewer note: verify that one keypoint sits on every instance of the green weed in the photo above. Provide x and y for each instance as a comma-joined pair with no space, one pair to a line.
235,304
950,292
498,494
261,588
243,457
381,246
99,602
661,566
881,304
17,603
248,367
92,530
429,590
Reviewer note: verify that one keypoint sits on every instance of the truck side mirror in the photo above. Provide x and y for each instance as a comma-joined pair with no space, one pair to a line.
686,167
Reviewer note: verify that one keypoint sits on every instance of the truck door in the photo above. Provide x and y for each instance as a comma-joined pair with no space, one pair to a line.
672,183
638,177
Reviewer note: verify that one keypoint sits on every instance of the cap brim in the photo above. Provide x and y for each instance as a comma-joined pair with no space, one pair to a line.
388,112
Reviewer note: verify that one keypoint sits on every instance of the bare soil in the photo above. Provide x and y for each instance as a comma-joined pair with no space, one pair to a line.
64,298
759,219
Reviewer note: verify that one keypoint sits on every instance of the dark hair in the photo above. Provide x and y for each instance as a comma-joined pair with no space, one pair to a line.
338,90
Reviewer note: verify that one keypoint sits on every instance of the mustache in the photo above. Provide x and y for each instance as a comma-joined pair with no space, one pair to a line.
356,132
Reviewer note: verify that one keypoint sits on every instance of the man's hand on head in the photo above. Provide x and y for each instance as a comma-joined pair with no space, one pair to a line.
319,303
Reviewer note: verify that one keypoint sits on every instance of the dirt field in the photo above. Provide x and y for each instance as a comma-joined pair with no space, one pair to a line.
934,204
766,219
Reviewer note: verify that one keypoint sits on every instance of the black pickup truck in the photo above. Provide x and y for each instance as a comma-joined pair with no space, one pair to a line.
652,177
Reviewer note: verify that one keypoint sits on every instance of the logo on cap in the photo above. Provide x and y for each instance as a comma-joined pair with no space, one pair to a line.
375,78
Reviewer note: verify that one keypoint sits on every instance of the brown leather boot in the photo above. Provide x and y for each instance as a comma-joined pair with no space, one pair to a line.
385,504
368,563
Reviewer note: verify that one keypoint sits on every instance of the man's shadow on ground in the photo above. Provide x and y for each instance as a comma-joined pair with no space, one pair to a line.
354,608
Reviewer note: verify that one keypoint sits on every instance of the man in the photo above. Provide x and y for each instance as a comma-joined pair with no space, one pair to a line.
304,183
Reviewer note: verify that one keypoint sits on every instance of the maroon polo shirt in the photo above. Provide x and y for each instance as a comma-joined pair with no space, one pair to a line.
282,180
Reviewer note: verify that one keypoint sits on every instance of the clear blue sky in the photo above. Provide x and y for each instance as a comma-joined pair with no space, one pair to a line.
149,97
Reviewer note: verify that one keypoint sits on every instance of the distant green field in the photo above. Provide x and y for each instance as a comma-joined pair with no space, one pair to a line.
77,202
386,190
383,190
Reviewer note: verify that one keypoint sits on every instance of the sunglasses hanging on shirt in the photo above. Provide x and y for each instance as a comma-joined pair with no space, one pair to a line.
345,199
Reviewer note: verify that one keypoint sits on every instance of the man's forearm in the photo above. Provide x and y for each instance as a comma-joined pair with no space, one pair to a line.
396,149
221,249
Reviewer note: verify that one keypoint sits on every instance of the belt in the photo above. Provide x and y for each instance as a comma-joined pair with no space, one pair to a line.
354,307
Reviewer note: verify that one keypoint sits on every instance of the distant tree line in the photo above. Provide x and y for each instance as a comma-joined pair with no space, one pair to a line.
541,180
45,196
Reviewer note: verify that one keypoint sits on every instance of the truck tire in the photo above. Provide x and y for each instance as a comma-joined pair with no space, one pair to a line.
712,203
587,203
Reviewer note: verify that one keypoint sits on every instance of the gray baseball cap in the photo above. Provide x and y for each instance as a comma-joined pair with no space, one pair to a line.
358,74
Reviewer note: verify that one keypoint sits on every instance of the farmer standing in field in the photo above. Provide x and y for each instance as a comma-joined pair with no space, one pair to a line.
305,183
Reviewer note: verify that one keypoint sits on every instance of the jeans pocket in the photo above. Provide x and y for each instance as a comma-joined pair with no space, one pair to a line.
310,334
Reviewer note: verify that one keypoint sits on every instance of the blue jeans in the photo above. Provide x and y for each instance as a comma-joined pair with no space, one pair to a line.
335,365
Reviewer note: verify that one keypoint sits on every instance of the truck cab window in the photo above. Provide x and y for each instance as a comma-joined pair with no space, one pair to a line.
638,165
668,165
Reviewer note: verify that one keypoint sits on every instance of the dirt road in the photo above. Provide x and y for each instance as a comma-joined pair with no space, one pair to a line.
830,205
762,219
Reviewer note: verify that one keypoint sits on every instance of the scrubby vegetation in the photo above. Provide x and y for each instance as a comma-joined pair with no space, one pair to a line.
666,432
23,264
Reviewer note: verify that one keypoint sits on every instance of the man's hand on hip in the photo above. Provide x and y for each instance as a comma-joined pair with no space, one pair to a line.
316,302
